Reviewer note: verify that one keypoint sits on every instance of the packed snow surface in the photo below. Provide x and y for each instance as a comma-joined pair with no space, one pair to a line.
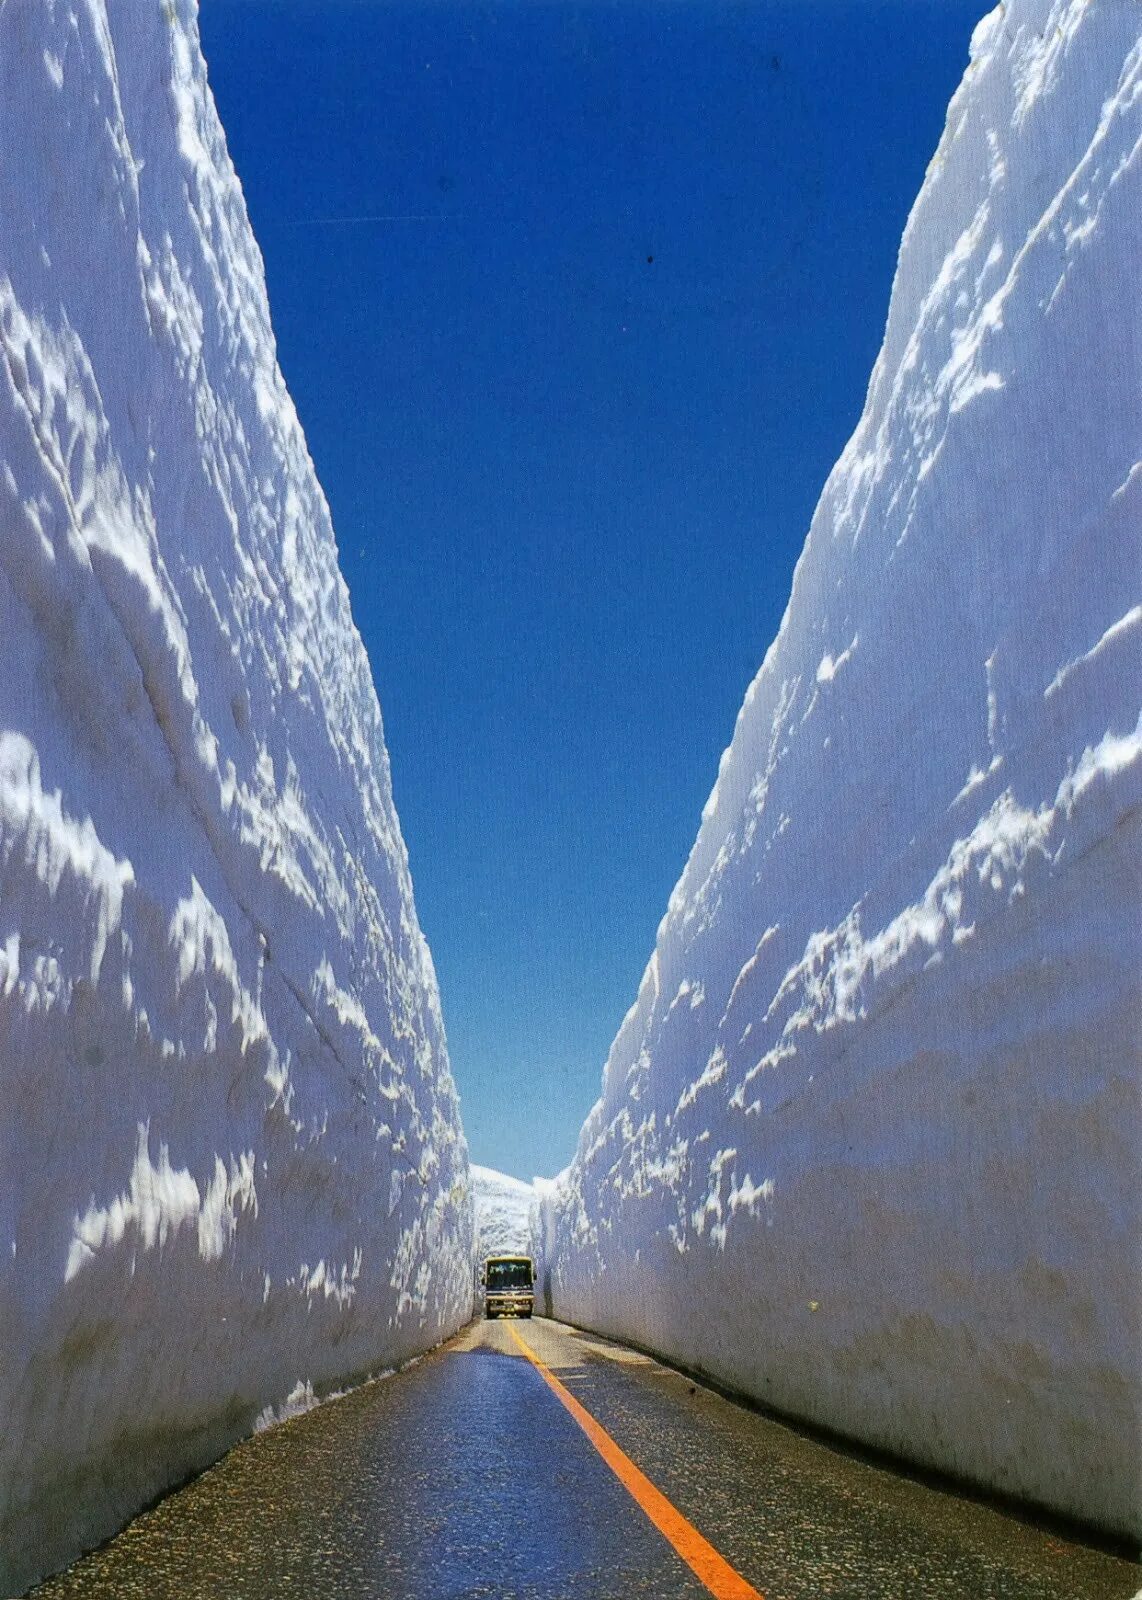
230,1156
868,1140
503,1213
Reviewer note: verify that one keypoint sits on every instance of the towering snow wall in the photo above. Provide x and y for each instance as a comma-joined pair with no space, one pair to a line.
230,1154
868,1141
503,1213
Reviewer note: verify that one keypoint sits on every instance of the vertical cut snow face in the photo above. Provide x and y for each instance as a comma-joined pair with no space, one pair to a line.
503,1214
230,1154
868,1140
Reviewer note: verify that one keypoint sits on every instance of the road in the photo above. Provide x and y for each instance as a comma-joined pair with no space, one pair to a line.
467,1476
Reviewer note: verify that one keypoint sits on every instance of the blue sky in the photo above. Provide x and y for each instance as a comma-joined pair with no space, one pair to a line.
578,305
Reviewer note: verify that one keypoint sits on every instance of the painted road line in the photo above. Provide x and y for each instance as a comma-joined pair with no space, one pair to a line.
699,1555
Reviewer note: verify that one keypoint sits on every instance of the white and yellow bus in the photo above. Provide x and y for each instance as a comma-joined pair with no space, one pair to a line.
509,1286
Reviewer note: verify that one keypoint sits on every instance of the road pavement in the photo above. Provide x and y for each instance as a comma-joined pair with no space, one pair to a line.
466,1476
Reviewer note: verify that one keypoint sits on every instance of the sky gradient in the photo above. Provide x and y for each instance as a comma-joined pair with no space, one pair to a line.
578,305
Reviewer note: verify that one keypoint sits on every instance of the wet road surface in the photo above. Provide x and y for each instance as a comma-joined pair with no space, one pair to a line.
464,1476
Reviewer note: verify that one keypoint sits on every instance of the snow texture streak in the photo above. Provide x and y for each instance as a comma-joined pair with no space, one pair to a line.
868,1141
231,1163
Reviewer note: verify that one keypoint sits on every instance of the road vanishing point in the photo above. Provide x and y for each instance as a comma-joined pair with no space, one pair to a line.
533,1461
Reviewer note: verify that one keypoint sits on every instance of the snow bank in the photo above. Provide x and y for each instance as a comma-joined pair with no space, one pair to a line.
868,1140
230,1156
503,1213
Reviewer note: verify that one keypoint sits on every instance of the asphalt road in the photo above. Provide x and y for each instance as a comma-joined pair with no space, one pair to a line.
465,1476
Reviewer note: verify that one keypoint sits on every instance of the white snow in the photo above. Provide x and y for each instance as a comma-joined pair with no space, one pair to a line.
231,1164
868,1141
503,1213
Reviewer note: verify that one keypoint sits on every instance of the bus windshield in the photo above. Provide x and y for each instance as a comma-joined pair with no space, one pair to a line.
509,1274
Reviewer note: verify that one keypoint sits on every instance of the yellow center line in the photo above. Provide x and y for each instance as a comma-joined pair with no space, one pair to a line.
699,1555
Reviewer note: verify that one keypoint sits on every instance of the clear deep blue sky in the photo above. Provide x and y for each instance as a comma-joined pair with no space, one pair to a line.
578,305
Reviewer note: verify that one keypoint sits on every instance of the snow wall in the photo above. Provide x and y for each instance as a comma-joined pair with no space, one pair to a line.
230,1153
868,1141
504,1207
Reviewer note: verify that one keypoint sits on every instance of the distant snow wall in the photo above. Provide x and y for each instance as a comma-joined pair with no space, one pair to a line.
504,1208
868,1141
230,1152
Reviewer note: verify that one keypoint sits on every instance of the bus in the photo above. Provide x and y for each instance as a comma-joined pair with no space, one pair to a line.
509,1286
